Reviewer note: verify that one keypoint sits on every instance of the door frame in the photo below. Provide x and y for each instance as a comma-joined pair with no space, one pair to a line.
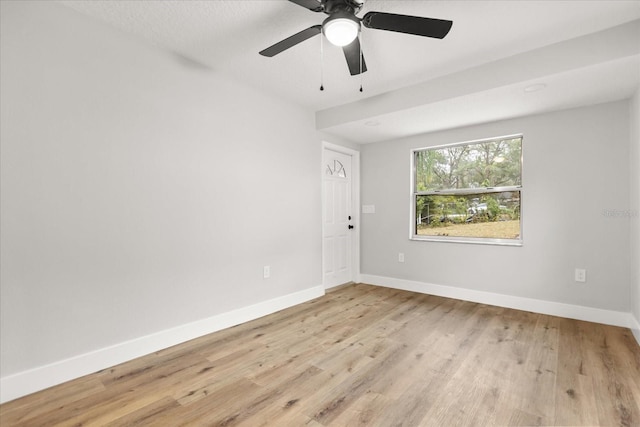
355,204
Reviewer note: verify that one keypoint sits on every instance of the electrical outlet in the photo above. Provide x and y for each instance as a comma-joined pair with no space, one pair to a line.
266,271
400,257
581,275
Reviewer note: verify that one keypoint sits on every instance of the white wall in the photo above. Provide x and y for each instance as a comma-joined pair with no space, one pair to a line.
139,194
635,211
575,167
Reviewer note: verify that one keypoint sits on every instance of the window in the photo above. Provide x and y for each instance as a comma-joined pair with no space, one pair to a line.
468,192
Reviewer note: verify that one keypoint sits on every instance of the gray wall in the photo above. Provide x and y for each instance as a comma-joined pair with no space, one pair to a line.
635,210
575,167
138,193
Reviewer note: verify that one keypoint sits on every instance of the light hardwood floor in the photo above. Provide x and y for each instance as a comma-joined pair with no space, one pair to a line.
365,356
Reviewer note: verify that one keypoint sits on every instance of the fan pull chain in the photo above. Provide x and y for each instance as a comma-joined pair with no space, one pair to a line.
321,61
360,45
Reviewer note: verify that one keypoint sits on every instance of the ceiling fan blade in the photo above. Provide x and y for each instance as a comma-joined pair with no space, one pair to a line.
352,53
291,41
426,27
312,5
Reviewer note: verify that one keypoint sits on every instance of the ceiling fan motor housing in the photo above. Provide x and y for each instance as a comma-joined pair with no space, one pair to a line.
348,6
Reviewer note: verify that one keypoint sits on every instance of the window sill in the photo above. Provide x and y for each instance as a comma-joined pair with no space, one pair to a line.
468,240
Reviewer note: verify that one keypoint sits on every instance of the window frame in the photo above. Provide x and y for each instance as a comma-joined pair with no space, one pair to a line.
414,193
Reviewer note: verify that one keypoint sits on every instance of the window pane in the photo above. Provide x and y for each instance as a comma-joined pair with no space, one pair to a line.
495,163
481,215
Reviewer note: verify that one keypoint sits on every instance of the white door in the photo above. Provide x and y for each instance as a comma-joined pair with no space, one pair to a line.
338,218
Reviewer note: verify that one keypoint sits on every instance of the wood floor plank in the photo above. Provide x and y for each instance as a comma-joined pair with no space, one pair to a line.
476,389
417,404
618,405
504,374
537,392
24,411
364,412
575,396
341,397
150,415
365,356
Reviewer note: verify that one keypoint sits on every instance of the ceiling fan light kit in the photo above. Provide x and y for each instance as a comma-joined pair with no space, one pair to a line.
342,28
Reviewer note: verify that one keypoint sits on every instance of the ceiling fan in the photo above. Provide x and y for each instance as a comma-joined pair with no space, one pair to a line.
342,27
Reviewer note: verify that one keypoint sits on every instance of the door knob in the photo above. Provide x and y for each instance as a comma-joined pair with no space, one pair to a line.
350,226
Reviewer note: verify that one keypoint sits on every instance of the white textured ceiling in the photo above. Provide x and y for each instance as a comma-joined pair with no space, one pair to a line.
226,37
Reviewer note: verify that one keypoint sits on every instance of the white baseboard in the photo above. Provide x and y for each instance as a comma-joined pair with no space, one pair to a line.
635,328
27,382
589,314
